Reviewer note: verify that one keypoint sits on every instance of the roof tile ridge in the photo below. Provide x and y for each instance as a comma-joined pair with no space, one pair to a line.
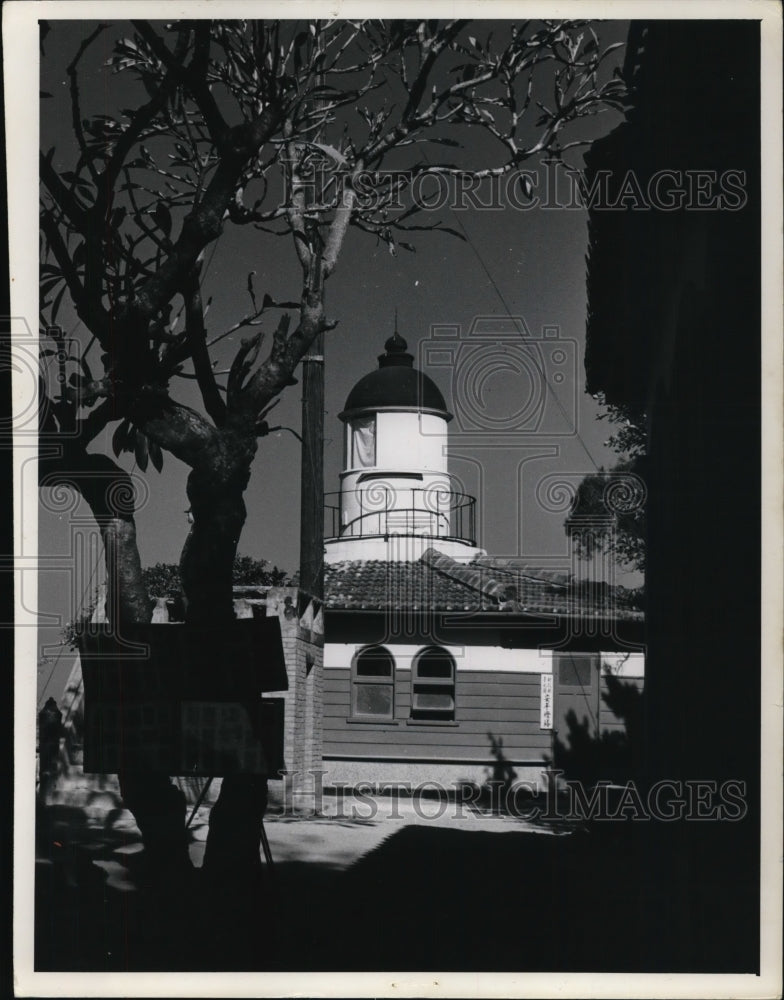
535,574
504,575
544,577
474,580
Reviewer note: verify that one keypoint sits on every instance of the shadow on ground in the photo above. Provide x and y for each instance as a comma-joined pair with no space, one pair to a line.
428,898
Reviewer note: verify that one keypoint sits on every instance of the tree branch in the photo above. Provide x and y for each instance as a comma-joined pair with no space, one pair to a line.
197,342
76,114
177,428
243,361
90,311
297,203
194,76
340,224
64,199
205,222
141,119
437,46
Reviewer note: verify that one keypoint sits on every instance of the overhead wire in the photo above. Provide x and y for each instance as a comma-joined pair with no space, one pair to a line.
533,355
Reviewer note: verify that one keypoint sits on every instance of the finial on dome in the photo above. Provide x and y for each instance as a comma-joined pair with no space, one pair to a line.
396,350
396,344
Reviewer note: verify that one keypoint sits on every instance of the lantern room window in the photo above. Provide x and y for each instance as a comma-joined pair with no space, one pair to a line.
363,442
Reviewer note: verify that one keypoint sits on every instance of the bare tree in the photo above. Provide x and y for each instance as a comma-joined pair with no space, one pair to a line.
302,130
289,127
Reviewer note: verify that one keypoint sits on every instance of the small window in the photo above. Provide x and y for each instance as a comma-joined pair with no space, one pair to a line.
373,685
575,670
363,442
433,686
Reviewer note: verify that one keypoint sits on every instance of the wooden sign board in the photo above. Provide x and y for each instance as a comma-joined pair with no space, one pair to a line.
184,700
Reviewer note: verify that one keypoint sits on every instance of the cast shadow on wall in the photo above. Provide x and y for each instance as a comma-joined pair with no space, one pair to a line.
611,755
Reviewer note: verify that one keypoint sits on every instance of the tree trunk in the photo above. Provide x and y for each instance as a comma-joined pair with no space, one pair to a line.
206,569
207,561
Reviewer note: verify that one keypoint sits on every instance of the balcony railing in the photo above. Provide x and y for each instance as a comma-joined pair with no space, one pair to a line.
382,511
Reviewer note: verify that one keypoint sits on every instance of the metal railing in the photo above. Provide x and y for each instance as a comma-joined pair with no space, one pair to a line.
381,511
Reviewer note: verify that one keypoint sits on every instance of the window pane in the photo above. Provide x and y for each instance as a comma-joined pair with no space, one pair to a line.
374,665
373,699
575,671
434,665
364,441
434,698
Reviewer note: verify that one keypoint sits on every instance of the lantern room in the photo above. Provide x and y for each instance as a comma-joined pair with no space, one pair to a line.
396,495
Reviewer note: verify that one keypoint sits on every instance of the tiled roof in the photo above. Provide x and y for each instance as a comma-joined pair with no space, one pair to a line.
437,582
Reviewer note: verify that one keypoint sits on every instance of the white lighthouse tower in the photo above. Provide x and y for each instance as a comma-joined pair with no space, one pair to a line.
396,496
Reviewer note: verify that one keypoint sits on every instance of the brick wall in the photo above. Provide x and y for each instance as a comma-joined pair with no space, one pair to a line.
302,633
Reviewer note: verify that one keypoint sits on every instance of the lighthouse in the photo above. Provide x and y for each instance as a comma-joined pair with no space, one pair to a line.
397,498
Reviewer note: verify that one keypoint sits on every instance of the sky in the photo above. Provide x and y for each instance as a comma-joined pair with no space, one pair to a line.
525,264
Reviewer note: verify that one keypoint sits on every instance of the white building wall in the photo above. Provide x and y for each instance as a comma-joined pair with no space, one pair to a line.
486,658
626,665
396,549
411,442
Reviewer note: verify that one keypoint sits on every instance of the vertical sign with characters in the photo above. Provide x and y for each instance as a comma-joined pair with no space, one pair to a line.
546,701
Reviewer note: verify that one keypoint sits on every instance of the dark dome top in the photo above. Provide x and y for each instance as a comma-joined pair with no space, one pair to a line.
395,383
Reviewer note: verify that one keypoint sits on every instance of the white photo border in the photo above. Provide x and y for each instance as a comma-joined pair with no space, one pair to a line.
21,69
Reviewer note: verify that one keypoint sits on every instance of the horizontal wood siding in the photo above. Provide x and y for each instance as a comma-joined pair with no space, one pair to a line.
489,706
607,719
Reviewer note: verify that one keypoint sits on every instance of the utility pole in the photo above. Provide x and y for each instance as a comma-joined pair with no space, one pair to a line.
311,539
311,545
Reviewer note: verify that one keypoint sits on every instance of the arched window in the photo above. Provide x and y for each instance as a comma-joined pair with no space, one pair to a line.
433,685
373,684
